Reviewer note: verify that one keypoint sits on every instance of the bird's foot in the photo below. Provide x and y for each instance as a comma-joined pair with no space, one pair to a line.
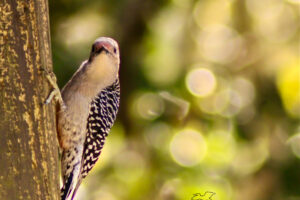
55,93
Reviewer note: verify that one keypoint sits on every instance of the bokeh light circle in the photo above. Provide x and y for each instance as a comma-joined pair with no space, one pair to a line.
150,106
201,82
133,169
294,142
188,147
219,43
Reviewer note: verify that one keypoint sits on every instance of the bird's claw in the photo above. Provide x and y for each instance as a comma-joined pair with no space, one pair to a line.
55,93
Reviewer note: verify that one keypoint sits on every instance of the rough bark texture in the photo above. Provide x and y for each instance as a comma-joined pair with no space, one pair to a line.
28,142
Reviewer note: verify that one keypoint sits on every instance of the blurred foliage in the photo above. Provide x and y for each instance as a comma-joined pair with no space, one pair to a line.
210,96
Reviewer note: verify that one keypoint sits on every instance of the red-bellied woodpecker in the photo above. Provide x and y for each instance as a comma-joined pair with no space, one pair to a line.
88,105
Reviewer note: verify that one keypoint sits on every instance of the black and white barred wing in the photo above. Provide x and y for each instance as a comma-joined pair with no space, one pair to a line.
103,111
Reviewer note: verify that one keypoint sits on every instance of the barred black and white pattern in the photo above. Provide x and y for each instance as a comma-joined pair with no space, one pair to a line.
102,114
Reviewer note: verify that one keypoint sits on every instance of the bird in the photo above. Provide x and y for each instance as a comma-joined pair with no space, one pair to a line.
87,109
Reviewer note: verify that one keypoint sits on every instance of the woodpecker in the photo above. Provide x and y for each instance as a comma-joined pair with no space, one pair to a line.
88,105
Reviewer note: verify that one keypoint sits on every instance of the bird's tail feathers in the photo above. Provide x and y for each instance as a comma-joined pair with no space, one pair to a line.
70,188
67,188
76,188
71,184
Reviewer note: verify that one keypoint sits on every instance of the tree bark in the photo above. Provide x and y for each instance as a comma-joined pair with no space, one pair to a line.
28,141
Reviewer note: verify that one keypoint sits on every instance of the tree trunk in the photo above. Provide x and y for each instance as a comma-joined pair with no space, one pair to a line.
28,141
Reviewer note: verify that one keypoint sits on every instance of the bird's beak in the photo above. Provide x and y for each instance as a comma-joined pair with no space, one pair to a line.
103,45
99,47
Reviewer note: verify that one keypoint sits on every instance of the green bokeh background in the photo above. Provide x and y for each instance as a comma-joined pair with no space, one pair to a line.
209,96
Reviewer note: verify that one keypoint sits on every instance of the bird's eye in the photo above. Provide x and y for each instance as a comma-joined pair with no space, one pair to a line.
115,50
99,50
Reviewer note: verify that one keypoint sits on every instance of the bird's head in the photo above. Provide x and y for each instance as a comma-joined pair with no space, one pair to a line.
104,61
